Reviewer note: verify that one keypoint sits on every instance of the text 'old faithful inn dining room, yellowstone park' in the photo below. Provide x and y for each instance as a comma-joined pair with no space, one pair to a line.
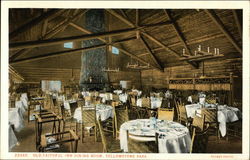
88,80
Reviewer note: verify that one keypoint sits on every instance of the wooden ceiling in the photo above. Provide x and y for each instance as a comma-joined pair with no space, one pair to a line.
154,36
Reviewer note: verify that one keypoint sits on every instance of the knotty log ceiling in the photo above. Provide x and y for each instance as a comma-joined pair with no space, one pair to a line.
160,44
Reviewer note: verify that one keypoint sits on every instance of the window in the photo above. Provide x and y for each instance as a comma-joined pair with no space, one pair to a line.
68,45
115,50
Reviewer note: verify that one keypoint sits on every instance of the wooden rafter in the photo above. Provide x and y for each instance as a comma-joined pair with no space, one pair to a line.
55,30
156,61
223,29
72,51
114,13
125,20
166,47
41,43
121,49
45,24
178,31
137,18
190,42
65,23
237,21
34,22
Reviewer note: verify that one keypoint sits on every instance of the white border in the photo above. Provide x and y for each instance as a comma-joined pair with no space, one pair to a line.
127,4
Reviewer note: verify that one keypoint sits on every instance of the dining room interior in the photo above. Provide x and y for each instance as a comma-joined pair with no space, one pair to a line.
125,80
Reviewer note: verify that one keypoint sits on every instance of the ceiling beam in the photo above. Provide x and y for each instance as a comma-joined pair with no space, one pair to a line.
190,42
237,21
121,49
223,29
114,13
65,24
147,35
125,19
84,30
166,47
177,31
137,17
56,30
156,61
41,43
67,52
45,24
33,23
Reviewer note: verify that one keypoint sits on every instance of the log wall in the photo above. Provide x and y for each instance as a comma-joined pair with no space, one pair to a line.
220,68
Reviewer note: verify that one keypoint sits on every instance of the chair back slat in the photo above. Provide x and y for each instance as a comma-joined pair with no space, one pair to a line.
199,122
133,101
88,116
210,114
121,116
146,102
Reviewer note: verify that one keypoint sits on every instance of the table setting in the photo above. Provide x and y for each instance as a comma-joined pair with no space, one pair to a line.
173,137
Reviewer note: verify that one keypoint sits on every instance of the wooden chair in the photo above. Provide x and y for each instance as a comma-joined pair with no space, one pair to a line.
111,147
234,129
45,119
134,112
183,115
195,98
120,116
165,114
145,111
211,100
199,141
60,138
136,145
89,120
115,97
198,123
211,119
68,119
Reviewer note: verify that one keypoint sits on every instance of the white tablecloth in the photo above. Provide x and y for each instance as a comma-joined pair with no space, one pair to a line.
16,118
102,111
123,98
155,102
173,137
24,99
225,114
12,138
106,97
19,104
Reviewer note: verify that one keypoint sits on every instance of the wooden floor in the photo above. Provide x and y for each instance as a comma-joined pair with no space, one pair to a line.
26,139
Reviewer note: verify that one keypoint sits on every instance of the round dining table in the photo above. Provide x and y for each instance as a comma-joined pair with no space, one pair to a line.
173,137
